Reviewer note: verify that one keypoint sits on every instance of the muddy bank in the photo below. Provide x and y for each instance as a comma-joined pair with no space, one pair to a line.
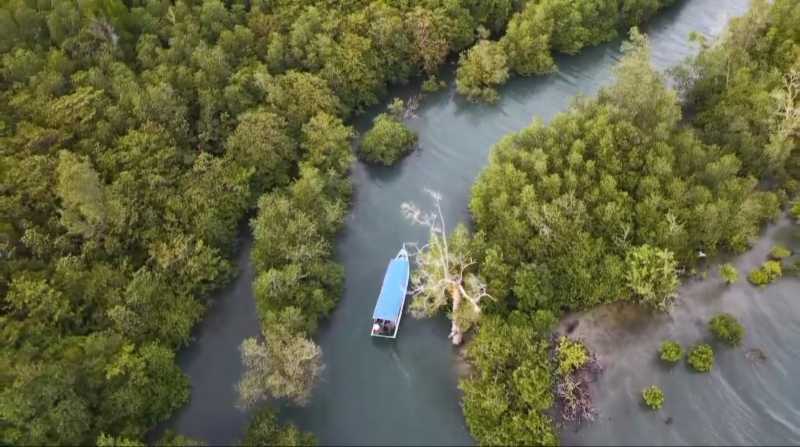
751,395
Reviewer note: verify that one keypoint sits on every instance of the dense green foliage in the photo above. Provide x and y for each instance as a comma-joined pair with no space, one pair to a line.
744,90
701,358
727,328
729,273
671,351
612,199
609,199
264,430
541,27
387,141
653,397
135,137
105,440
297,283
507,397
482,69
572,355
172,439
768,272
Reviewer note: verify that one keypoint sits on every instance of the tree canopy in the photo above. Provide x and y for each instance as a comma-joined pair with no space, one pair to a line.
539,28
608,200
136,136
387,141
615,198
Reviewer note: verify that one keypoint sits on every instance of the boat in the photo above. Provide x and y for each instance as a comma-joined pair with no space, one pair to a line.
389,308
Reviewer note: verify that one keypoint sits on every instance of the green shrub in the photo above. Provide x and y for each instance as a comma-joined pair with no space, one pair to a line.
726,328
387,141
481,70
572,355
701,358
768,272
671,351
758,277
779,252
653,397
729,273
795,211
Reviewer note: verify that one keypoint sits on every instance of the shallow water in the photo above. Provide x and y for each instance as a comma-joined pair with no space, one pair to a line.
741,401
405,392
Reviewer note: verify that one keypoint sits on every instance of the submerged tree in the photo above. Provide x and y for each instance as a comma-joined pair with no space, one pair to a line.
388,140
481,70
443,277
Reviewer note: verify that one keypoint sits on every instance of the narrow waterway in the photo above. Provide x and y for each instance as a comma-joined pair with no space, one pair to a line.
405,392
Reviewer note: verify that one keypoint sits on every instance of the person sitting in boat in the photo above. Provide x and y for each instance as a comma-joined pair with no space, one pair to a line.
376,327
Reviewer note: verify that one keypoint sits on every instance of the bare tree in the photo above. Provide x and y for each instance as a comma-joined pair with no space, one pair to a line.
442,277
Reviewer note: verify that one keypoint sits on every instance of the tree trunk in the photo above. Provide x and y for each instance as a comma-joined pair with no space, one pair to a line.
455,332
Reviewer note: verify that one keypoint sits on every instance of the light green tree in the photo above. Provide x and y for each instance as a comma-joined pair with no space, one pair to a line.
767,273
572,355
83,202
481,70
527,41
651,275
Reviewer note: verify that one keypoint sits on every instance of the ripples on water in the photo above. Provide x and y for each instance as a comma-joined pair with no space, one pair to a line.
405,392
742,401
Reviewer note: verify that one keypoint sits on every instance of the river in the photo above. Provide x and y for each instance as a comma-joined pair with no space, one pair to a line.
405,392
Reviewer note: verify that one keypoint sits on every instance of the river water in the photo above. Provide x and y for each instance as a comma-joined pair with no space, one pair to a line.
405,392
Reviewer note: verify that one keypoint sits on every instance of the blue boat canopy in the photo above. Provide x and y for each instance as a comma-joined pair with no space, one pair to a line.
393,291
